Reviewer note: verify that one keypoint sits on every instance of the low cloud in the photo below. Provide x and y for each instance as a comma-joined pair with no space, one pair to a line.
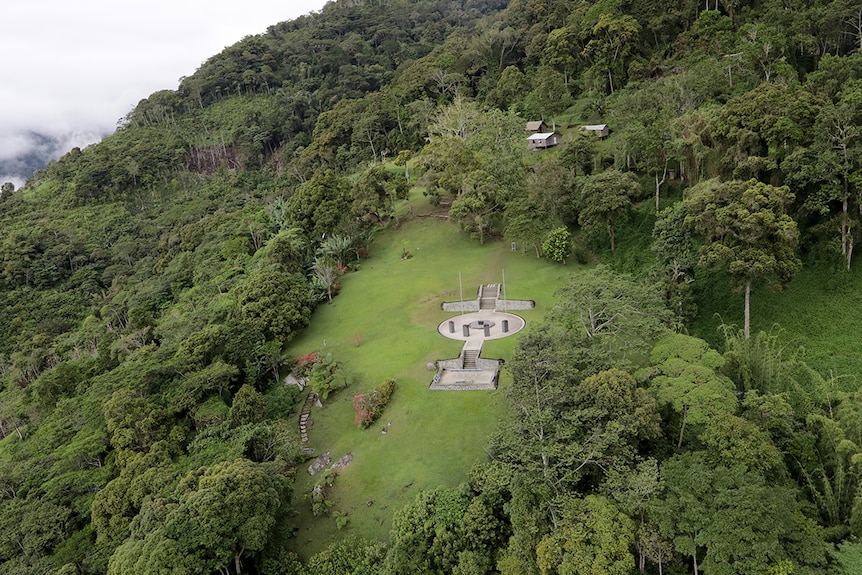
79,67
23,152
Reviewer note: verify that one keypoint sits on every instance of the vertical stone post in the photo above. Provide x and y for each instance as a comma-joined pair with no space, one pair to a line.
505,326
466,330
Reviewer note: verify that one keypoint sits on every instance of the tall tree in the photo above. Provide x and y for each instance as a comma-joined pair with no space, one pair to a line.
728,519
577,154
222,515
320,205
614,318
425,536
561,49
274,302
479,205
594,538
605,199
612,39
747,232
685,374
325,272
830,166
526,224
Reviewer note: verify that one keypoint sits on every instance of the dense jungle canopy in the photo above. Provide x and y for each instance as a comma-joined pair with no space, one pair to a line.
151,283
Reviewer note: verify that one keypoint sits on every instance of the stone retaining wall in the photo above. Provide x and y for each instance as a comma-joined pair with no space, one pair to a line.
502,305
468,306
514,304
482,364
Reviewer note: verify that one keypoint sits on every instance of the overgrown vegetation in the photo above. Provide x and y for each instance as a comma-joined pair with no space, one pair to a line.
369,406
154,286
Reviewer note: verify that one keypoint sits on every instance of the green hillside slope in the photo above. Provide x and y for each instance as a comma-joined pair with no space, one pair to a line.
158,287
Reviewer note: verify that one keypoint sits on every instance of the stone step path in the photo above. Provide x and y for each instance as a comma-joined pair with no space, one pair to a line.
469,358
488,299
305,416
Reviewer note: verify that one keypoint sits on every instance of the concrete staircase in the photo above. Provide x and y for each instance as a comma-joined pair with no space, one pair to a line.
469,358
488,297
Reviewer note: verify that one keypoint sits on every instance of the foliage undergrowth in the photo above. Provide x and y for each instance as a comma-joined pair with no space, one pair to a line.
817,313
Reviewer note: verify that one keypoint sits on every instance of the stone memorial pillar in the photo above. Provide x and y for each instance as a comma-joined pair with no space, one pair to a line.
451,327
466,330
505,326
487,329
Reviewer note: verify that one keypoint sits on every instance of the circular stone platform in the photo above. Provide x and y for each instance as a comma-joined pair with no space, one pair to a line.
477,321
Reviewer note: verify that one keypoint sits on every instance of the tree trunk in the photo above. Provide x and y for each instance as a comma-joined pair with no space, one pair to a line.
553,516
658,183
18,431
845,218
682,428
371,141
398,119
540,436
747,329
611,233
394,208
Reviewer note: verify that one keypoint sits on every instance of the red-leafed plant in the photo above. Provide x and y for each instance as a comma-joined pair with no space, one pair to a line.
369,406
364,405
305,363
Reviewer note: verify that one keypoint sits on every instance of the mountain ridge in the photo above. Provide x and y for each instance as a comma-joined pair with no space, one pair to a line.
28,151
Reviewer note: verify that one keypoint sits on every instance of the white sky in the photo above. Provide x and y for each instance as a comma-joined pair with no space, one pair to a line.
77,66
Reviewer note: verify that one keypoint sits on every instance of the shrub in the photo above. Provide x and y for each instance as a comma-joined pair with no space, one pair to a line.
320,504
369,406
365,409
581,255
341,519
384,391
211,412
558,245
305,363
326,376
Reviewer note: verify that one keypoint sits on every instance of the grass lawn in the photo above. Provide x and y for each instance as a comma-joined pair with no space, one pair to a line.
825,322
395,305
817,315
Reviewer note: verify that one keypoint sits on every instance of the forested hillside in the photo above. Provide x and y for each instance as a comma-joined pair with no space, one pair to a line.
151,283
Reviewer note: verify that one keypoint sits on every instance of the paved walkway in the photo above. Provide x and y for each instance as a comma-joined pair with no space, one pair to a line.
477,331
478,321
466,380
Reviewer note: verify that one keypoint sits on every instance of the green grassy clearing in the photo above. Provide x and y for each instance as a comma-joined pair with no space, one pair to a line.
817,314
395,305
